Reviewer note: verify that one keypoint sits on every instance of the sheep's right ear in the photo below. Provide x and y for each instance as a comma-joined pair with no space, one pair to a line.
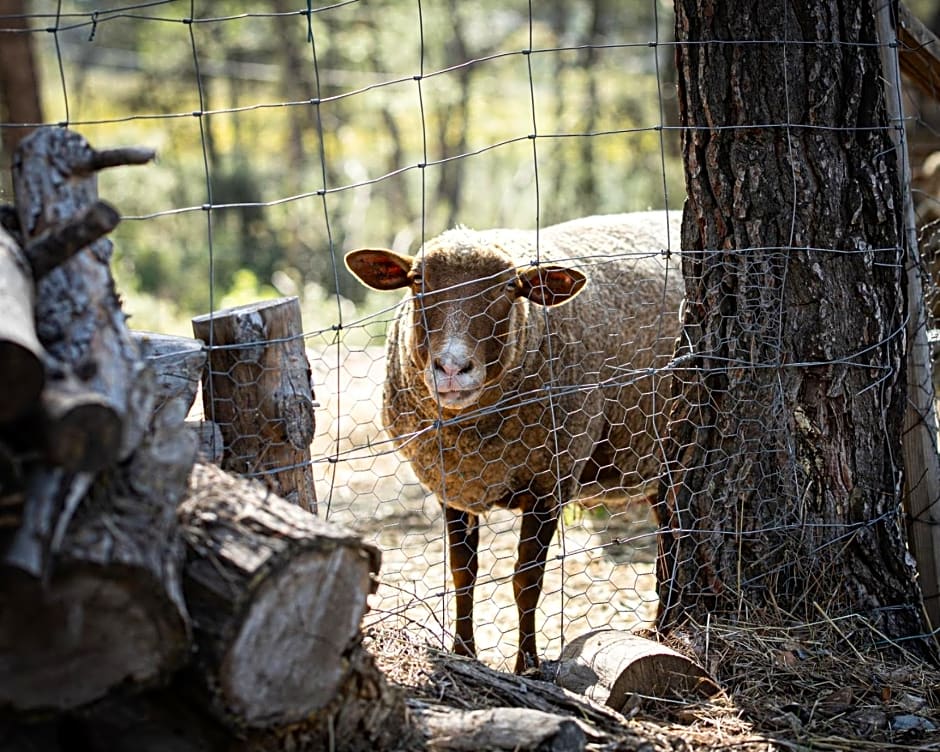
380,269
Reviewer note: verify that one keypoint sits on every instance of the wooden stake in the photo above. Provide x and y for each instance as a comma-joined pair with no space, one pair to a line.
258,391
921,461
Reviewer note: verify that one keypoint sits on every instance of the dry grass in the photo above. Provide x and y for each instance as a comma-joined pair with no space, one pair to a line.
824,686
832,685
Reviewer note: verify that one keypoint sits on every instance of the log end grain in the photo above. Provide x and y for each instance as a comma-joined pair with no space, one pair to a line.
611,667
288,656
276,597
82,430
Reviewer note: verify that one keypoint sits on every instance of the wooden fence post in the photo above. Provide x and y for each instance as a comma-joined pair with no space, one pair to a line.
257,389
921,461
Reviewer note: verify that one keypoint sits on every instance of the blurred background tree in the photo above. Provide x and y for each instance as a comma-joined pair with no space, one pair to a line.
282,143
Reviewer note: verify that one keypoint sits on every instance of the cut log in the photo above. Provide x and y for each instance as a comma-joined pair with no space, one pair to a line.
613,667
81,428
22,376
276,598
110,611
366,716
258,391
110,614
178,364
79,318
518,729
96,578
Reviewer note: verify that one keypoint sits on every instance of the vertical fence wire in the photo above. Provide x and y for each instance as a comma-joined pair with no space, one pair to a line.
391,110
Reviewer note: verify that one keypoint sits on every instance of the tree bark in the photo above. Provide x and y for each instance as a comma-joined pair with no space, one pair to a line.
94,567
79,318
257,389
783,460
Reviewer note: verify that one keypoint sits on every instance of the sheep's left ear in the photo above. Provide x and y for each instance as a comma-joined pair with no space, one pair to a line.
380,269
551,285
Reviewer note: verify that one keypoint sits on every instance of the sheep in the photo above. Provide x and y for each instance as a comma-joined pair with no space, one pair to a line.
520,369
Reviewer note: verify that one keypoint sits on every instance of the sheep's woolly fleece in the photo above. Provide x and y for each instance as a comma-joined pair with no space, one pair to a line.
573,369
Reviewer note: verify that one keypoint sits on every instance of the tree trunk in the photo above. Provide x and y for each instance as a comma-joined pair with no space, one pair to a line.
19,76
784,450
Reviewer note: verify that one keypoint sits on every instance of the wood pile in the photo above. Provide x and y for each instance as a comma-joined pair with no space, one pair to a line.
150,601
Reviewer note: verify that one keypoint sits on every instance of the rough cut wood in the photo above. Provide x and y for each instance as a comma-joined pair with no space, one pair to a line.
59,243
96,579
80,427
366,714
95,571
258,391
22,376
78,314
110,611
276,597
518,729
612,667
178,364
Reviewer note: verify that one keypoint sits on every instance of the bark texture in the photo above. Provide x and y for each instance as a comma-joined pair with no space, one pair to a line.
783,463
106,387
257,389
276,597
613,667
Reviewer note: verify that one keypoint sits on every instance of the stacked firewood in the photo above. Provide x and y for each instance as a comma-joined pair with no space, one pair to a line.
150,600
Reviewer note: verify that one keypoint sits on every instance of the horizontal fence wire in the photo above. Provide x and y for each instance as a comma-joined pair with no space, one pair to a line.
290,135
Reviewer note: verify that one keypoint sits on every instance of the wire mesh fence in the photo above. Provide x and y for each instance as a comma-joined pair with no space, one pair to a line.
288,136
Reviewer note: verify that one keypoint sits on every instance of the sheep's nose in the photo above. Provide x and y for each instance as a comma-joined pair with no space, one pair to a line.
451,366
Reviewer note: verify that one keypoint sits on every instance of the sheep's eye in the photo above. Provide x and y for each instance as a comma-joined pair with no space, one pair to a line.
512,285
417,281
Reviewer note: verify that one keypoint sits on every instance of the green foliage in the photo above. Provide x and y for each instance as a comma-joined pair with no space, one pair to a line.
308,148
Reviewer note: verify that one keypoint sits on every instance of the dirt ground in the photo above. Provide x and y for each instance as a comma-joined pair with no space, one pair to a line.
601,569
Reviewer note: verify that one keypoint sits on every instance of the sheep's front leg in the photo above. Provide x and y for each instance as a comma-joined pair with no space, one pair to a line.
538,527
463,536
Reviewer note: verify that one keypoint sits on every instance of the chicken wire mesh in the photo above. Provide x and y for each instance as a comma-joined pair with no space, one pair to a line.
290,135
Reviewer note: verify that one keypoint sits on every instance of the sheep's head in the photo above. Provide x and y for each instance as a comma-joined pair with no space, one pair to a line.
467,309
